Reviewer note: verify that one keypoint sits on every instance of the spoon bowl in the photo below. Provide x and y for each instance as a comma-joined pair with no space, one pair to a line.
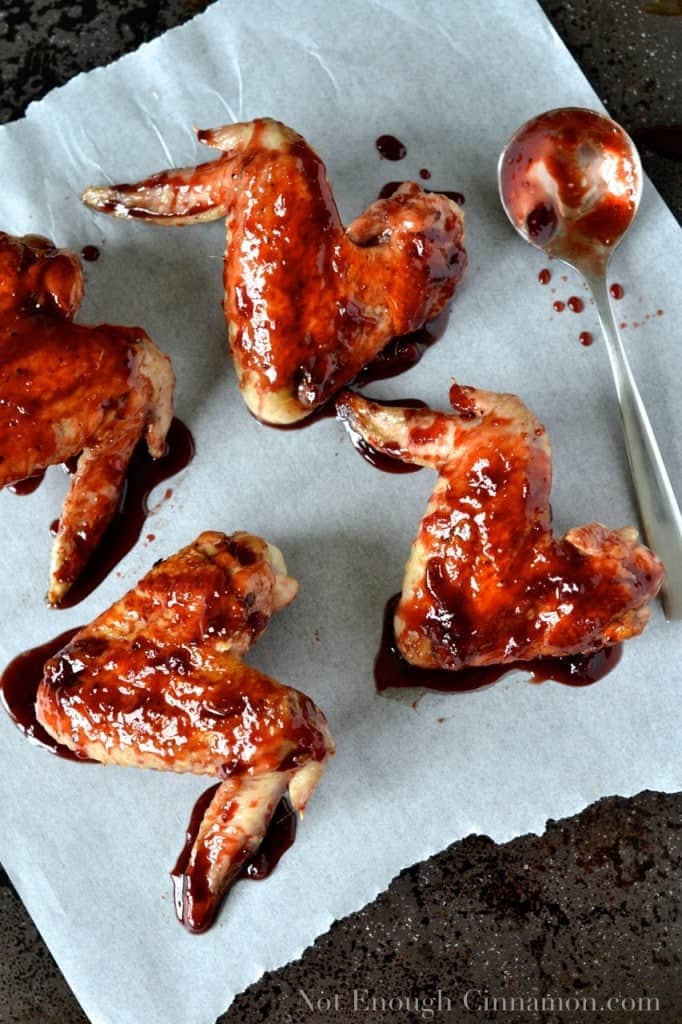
570,181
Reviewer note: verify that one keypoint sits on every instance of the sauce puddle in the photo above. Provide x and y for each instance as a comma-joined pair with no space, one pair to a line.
392,186
19,686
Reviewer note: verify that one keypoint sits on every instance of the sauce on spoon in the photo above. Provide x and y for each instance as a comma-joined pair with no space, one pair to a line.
570,182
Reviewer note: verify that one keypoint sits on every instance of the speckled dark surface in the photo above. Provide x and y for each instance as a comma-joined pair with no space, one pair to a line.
587,913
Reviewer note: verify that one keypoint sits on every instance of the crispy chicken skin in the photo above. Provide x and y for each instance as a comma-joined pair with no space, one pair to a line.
157,681
486,582
307,302
66,389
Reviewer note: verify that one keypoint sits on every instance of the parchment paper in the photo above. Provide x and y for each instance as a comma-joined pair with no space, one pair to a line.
89,847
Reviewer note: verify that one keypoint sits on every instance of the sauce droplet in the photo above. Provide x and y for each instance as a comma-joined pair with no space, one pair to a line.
390,148
617,291
19,686
585,338
558,306
144,474
391,671
575,304
90,253
424,173
545,276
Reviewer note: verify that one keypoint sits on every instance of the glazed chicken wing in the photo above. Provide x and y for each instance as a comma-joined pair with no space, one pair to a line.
486,582
158,681
307,303
67,389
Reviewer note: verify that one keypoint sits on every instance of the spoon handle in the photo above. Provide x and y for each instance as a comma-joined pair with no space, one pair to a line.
658,508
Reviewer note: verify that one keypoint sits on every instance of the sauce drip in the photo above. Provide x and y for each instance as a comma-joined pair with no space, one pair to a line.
144,474
195,905
585,338
617,291
381,460
575,304
279,837
545,276
392,186
19,686
390,148
90,253
391,671
29,484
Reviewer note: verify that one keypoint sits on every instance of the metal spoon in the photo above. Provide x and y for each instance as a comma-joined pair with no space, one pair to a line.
570,182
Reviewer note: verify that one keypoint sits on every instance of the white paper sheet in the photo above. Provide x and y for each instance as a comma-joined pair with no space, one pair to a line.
89,848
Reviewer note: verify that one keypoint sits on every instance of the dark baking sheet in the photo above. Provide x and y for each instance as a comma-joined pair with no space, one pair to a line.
586,912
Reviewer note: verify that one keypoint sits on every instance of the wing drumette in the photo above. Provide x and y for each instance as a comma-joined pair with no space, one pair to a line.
157,681
486,582
67,389
307,302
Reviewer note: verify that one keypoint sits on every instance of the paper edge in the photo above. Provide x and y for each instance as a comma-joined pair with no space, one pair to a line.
101,69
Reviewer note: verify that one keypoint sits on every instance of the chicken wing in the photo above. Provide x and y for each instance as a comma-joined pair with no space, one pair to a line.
157,681
307,303
486,582
67,389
